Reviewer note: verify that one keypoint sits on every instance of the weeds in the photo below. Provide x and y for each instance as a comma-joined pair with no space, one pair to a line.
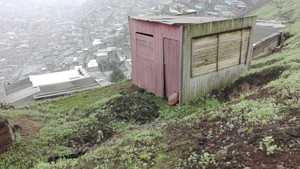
197,161
267,144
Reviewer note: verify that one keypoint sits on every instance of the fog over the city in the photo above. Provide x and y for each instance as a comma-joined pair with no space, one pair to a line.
43,2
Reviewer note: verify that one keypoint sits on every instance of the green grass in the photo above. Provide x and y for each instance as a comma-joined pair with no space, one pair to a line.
266,12
170,141
78,102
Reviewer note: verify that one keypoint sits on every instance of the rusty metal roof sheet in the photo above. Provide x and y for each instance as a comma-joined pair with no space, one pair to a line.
178,20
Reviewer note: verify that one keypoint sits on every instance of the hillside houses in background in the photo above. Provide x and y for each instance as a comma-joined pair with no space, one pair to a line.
96,38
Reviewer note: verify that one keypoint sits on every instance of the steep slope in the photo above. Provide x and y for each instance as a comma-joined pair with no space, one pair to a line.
254,122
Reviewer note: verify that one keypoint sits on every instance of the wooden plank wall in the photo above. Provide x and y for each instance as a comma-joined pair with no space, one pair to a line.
245,45
229,49
203,84
204,55
219,51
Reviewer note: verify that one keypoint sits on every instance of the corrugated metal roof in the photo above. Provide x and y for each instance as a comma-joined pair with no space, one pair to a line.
58,77
19,85
264,32
64,88
47,85
178,20
22,94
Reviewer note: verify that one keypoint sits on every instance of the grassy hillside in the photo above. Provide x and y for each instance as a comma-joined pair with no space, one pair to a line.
254,122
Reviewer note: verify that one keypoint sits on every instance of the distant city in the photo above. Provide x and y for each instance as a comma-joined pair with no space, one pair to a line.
38,37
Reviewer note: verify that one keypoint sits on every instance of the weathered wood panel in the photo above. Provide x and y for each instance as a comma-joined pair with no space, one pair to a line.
204,55
245,45
229,49
203,84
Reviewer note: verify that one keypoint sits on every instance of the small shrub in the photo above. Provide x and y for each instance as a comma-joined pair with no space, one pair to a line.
268,145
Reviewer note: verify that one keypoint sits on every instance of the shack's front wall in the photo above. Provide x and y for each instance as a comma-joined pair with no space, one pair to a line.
147,40
201,74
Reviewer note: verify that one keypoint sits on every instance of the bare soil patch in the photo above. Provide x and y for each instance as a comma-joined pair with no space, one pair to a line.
132,89
133,108
27,127
244,84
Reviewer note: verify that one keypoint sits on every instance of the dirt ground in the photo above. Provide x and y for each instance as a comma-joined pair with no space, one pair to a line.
133,108
26,126
252,82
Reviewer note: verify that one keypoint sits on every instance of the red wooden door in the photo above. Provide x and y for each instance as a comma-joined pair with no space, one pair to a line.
171,66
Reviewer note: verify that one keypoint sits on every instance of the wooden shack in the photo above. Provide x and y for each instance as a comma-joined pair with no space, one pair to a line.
189,56
6,135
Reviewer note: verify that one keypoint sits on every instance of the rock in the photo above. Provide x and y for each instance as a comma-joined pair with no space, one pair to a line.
252,138
231,147
221,154
202,140
6,135
264,166
100,136
212,145
241,131
280,167
228,163
247,168
293,131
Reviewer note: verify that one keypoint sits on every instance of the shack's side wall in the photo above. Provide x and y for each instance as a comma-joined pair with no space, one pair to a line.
150,75
203,84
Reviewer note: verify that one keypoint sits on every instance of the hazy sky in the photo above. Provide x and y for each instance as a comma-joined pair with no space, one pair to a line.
45,2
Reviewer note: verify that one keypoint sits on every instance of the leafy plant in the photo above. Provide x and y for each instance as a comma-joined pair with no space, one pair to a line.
268,144
197,161
212,103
